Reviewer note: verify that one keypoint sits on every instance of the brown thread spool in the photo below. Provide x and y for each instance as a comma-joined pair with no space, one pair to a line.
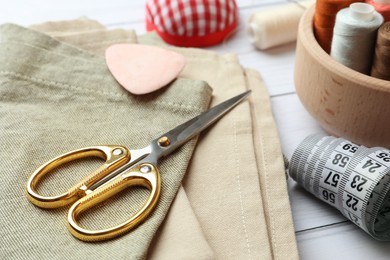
381,63
324,19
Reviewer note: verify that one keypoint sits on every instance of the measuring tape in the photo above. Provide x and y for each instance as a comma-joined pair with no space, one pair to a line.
352,178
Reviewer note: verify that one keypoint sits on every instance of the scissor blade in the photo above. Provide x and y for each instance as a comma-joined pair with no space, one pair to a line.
173,139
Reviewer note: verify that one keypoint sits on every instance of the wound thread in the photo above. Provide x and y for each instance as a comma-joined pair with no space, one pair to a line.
324,20
354,36
381,64
276,26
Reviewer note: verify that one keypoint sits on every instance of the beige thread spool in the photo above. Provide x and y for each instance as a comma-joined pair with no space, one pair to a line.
276,26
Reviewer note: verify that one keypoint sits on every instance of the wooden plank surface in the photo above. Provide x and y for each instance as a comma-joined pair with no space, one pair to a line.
321,231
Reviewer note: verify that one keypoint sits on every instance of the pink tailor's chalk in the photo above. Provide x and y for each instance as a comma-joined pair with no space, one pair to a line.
142,69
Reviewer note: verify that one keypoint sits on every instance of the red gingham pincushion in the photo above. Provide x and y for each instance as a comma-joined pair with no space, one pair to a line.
192,23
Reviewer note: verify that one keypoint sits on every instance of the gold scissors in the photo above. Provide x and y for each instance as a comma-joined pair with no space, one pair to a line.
122,168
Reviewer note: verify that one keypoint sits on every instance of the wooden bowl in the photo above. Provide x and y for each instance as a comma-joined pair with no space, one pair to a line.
345,102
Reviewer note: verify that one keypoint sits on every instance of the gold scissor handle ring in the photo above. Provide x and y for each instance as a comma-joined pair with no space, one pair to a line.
144,174
115,156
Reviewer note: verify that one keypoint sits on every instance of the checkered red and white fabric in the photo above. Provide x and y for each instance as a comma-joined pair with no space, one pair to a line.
192,23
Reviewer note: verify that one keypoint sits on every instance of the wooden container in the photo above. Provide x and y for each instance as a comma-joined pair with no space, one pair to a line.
345,102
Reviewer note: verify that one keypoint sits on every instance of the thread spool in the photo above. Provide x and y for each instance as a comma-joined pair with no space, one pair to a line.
343,101
276,26
381,64
382,7
354,36
324,19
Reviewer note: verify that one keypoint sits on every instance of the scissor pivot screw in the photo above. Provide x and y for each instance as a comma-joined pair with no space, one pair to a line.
145,169
117,151
164,141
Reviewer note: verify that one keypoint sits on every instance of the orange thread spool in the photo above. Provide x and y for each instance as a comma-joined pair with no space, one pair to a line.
381,64
382,7
324,19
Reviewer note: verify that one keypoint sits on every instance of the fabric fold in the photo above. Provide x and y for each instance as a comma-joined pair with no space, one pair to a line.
68,27
55,98
181,236
86,34
233,203
172,234
272,178
231,178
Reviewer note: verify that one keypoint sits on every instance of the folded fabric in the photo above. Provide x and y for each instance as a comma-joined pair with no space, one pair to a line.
236,180
68,27
55,98
181,236
244,210
234,203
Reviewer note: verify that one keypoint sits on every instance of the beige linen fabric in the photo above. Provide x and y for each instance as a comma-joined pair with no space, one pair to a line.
68,27
271,171
181,221
181,236
234,204
236,182
55,98
86,34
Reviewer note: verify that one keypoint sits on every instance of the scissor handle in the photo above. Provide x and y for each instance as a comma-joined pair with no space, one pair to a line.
115,156
143,174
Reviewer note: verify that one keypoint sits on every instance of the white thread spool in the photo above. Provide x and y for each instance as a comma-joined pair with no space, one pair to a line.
354,36
276,26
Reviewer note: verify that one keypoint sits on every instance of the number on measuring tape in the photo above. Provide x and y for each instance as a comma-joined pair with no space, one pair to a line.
350,148
332,179
385,157
354,179
329,196
352,202
371,166
354,218
340,160
335,161
358,182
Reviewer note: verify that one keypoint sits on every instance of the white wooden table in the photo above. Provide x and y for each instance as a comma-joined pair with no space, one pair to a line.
321,231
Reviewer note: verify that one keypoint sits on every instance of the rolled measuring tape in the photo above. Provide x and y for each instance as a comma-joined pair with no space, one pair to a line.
352,178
